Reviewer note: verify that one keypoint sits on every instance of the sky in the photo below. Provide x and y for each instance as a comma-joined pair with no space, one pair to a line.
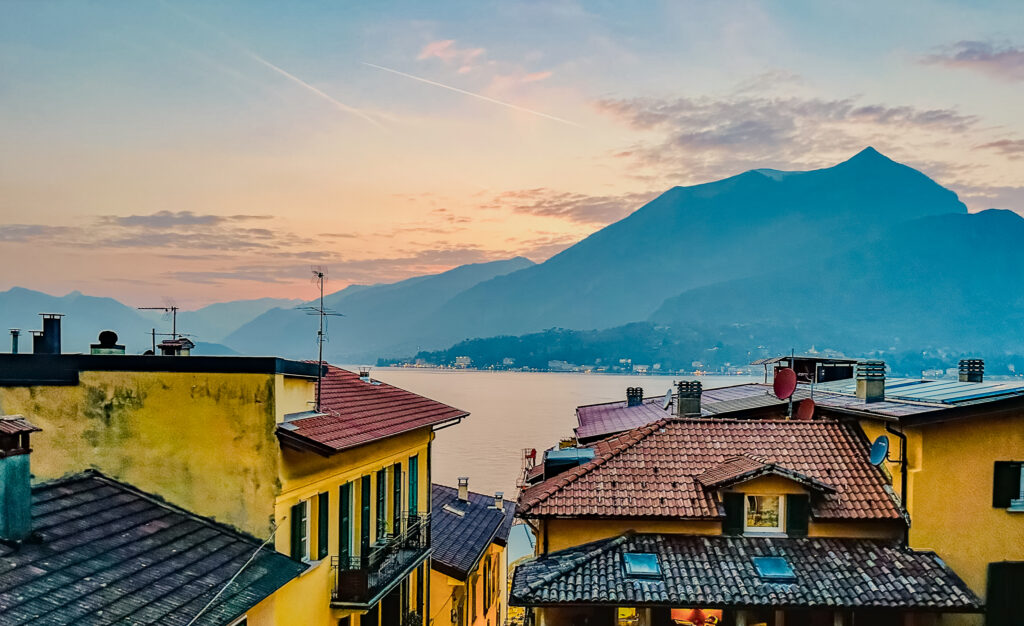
208,152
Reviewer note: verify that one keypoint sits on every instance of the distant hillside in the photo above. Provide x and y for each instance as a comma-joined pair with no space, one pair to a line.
694,236
944,282
217,321
378,319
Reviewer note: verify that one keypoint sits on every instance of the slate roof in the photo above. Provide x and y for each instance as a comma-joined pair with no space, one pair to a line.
355,411
460,541
652,471
719,572
109,554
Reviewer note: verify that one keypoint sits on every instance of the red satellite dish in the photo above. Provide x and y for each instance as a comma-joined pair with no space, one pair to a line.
805,412
785,383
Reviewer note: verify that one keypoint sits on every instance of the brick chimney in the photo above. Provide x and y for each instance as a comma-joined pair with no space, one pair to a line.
15,478
688,394
871,381
972,370
464,488
634,396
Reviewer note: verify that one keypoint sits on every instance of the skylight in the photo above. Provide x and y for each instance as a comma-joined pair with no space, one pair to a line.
774,568
642,564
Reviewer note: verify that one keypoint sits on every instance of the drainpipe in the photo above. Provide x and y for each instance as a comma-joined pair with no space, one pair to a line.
903,479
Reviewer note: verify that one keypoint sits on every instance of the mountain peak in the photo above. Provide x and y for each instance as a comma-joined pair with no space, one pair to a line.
869,154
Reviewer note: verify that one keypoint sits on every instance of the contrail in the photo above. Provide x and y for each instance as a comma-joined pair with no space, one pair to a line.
475,95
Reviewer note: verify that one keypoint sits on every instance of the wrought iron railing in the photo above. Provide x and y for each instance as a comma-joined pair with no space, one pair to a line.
360,578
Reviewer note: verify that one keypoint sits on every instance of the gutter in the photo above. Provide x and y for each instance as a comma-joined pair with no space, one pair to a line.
903,479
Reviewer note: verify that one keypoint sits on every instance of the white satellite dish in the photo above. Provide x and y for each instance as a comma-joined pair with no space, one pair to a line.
668,400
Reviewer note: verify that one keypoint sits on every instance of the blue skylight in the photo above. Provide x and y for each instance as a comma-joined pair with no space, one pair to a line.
643,564
774,568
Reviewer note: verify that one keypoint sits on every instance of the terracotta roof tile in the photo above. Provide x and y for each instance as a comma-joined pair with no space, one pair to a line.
652,471
356,412
719,572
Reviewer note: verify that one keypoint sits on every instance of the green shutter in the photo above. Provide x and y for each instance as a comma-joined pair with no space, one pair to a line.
297,532
414,485
321,525
1005,582
1005,483
798,513
364,519
345,523
396,498
733,524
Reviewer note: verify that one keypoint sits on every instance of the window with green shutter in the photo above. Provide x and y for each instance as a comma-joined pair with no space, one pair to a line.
733,524
364,518
322,517
798,514
345,522
1005,586
300,531
396,498
414,485
1007,484
382,504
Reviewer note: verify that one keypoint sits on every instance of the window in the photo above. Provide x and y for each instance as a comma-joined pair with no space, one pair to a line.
1008,485
345,522
322,524
642,564
627,617
774,568
300,531
1005,583
382,504
763,514
396,499
414,485
364,518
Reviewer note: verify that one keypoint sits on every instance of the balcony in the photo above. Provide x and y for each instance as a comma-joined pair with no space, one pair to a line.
361,581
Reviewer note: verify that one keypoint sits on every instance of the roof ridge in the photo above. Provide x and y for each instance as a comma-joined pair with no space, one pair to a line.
583,558
582,470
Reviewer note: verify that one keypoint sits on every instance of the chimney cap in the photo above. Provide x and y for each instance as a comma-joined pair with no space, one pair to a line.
463,481
52,316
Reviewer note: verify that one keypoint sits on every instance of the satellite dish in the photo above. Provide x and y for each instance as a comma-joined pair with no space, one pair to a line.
668,400
805,412
785,383
879,450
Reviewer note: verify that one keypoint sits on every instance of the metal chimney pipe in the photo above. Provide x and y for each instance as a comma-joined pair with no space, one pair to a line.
15,333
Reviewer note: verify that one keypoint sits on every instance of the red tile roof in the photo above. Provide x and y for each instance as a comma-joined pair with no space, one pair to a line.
651,471
16,425
742,468
357,411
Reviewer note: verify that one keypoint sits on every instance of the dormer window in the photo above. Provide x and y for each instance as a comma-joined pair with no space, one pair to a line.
763,514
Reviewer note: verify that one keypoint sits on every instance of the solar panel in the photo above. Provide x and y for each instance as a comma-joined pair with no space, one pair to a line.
774,568
642,564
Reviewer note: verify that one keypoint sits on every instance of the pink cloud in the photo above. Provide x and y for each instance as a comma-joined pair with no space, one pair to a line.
451,54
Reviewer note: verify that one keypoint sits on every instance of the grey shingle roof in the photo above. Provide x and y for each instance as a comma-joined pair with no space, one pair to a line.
718,572
109,554
459,541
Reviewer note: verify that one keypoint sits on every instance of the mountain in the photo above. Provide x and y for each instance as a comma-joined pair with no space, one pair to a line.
694,236
385,318
85,317
214,322
941,282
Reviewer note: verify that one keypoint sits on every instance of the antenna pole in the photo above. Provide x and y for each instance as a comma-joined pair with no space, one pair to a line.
174,322
154,340
320,342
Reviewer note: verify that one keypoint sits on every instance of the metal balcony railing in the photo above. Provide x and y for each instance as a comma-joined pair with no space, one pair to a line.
361,578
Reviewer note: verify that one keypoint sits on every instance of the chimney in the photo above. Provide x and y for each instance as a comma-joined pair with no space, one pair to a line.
688,398
634,396
464,488
15,478
499,500
972,370
107,344
15,332
47,341
871,381
364,373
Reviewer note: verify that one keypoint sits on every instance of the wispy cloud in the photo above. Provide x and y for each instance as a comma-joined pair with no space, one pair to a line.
172,219
446,50
1013,148
472,94
573,207
1002,61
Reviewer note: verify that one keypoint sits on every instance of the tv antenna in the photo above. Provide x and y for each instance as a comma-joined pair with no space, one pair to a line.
320,278
170,308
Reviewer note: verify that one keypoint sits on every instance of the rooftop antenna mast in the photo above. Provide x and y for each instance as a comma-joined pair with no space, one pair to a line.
320,278
170,308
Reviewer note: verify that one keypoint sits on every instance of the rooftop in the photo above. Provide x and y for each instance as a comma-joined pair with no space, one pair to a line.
654,471
355,411
825,572
460,541
108,553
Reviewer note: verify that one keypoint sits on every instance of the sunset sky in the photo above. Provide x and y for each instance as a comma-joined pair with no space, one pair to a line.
214,151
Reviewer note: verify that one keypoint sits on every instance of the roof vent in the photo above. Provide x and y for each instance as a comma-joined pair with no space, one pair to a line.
107,344
871,381
972,370
634,396
499,500
464,488
688,394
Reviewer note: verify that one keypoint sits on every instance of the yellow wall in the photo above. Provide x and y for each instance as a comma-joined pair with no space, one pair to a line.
447,592
293,395
203,441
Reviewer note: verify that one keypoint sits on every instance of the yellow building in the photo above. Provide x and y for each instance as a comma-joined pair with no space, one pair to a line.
235,439
469,564
726,521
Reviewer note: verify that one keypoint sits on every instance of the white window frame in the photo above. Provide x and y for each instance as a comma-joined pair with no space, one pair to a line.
781,528
1017,504
308,512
